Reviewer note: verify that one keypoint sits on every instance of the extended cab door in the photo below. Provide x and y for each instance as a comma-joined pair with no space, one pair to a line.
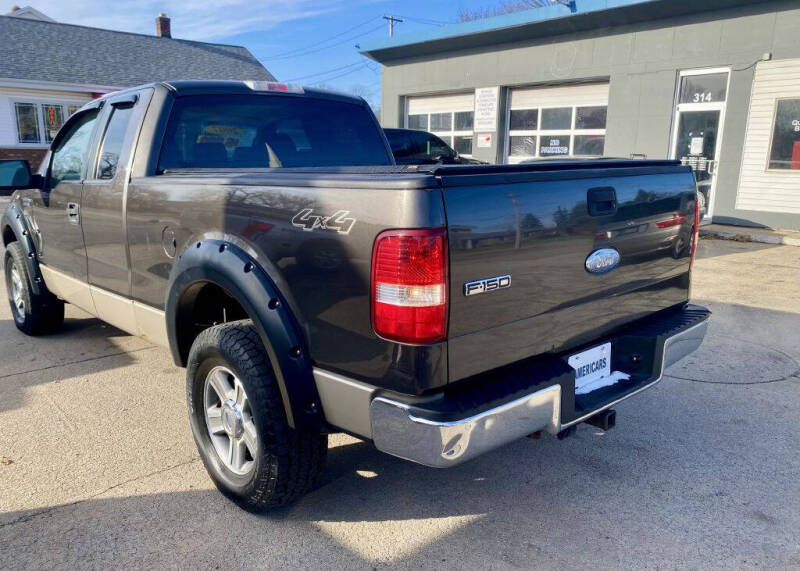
57,211
103,202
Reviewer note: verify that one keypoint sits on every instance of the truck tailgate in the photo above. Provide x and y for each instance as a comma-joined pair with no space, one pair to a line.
538,226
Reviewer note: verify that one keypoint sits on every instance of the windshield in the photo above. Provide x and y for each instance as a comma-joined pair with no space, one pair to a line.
260,131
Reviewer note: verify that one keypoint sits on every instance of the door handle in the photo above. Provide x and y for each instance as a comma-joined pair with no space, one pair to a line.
73,212
602,201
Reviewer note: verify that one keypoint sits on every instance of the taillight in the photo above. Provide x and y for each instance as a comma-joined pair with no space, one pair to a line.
676,220
409,285
695,233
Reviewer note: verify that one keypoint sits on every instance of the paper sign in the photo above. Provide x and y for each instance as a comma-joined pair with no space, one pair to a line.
484,140
486,99
696,146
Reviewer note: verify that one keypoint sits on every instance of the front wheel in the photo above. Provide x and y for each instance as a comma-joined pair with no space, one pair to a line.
239,424
34,313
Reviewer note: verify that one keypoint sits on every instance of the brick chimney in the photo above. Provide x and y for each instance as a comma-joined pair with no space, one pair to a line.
163,29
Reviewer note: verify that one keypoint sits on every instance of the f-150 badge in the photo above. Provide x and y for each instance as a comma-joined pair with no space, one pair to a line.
336,222
489,284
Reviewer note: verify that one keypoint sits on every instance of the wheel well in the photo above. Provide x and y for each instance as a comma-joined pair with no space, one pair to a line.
203,305
8,235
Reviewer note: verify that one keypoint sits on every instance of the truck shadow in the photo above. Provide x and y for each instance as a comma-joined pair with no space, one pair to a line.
83,346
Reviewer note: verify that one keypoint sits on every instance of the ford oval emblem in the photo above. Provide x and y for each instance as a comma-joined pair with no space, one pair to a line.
602,261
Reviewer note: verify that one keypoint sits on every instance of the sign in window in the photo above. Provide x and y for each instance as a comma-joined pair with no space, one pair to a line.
785,149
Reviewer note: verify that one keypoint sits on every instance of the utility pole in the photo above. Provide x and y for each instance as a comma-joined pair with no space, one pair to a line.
392,20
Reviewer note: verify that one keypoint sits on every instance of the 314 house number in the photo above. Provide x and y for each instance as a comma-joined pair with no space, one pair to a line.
704,97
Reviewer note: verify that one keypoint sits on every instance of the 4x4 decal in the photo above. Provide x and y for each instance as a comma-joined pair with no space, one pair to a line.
337,222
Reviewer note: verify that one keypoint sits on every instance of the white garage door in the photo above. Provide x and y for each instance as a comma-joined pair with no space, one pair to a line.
449,117
556,121
770,175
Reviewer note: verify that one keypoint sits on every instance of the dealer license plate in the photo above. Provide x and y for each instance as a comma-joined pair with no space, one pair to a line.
591,365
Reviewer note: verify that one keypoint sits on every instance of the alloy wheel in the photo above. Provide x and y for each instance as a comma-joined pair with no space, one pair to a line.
229,420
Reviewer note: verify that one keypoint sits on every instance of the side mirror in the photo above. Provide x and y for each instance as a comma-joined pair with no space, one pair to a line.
15,175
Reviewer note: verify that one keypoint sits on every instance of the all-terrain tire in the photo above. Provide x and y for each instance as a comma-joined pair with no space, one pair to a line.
289,462
34,313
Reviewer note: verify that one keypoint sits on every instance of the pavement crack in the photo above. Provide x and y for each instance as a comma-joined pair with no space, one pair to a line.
45,511
67,364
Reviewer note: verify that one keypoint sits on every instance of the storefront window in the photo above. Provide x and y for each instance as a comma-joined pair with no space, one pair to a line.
39,123
53,119
785,150
27,123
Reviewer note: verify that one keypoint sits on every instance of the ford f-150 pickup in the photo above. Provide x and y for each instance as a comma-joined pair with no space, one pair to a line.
309,285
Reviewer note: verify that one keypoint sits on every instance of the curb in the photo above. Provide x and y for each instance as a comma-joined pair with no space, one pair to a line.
775,239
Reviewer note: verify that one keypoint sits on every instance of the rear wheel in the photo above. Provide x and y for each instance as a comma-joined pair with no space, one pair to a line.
34,313
239,424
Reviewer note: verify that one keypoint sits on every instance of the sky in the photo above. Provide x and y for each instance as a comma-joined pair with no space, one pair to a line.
311,42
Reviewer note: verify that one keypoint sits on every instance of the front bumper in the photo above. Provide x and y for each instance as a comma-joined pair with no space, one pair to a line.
524,398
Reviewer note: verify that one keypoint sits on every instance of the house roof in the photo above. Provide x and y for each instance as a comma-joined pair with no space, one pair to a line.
65,53
547,21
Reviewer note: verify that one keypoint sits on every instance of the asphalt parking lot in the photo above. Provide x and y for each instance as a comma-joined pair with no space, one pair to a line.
703,471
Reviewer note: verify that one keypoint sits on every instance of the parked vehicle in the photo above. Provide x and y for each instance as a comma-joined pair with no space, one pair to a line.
412,147
308,285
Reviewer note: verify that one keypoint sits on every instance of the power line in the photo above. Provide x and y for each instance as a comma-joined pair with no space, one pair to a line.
339,35
355,69
427,21
327,71
306,51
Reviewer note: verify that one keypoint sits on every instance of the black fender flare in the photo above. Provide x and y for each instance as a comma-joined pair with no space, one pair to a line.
234,270
13,218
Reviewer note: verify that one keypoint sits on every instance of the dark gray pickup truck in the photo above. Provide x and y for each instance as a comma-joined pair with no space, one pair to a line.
309,285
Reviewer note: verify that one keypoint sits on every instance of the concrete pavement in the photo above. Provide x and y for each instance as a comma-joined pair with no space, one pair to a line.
702,471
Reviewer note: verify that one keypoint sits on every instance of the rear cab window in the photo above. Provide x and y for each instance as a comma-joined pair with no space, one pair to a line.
269,131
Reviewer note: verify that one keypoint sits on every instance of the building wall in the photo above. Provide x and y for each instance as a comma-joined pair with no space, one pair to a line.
10,148
642,63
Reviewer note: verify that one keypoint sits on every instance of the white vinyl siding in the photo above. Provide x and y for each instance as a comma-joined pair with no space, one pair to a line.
556,121
8,118
438,114
760,188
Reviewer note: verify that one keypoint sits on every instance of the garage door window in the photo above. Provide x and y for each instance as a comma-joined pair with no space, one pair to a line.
785,149
557,131
419,122
452,127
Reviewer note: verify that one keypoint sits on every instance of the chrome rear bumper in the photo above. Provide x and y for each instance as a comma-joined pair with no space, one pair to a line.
397,431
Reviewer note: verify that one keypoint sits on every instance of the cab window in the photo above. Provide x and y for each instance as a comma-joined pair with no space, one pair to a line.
69,156
270,131
113,139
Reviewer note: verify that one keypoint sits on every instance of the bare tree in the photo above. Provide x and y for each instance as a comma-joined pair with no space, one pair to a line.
509,6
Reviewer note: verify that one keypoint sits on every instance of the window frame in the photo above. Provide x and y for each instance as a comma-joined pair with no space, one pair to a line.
445,135
773,119
91,148
39,104
540,133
